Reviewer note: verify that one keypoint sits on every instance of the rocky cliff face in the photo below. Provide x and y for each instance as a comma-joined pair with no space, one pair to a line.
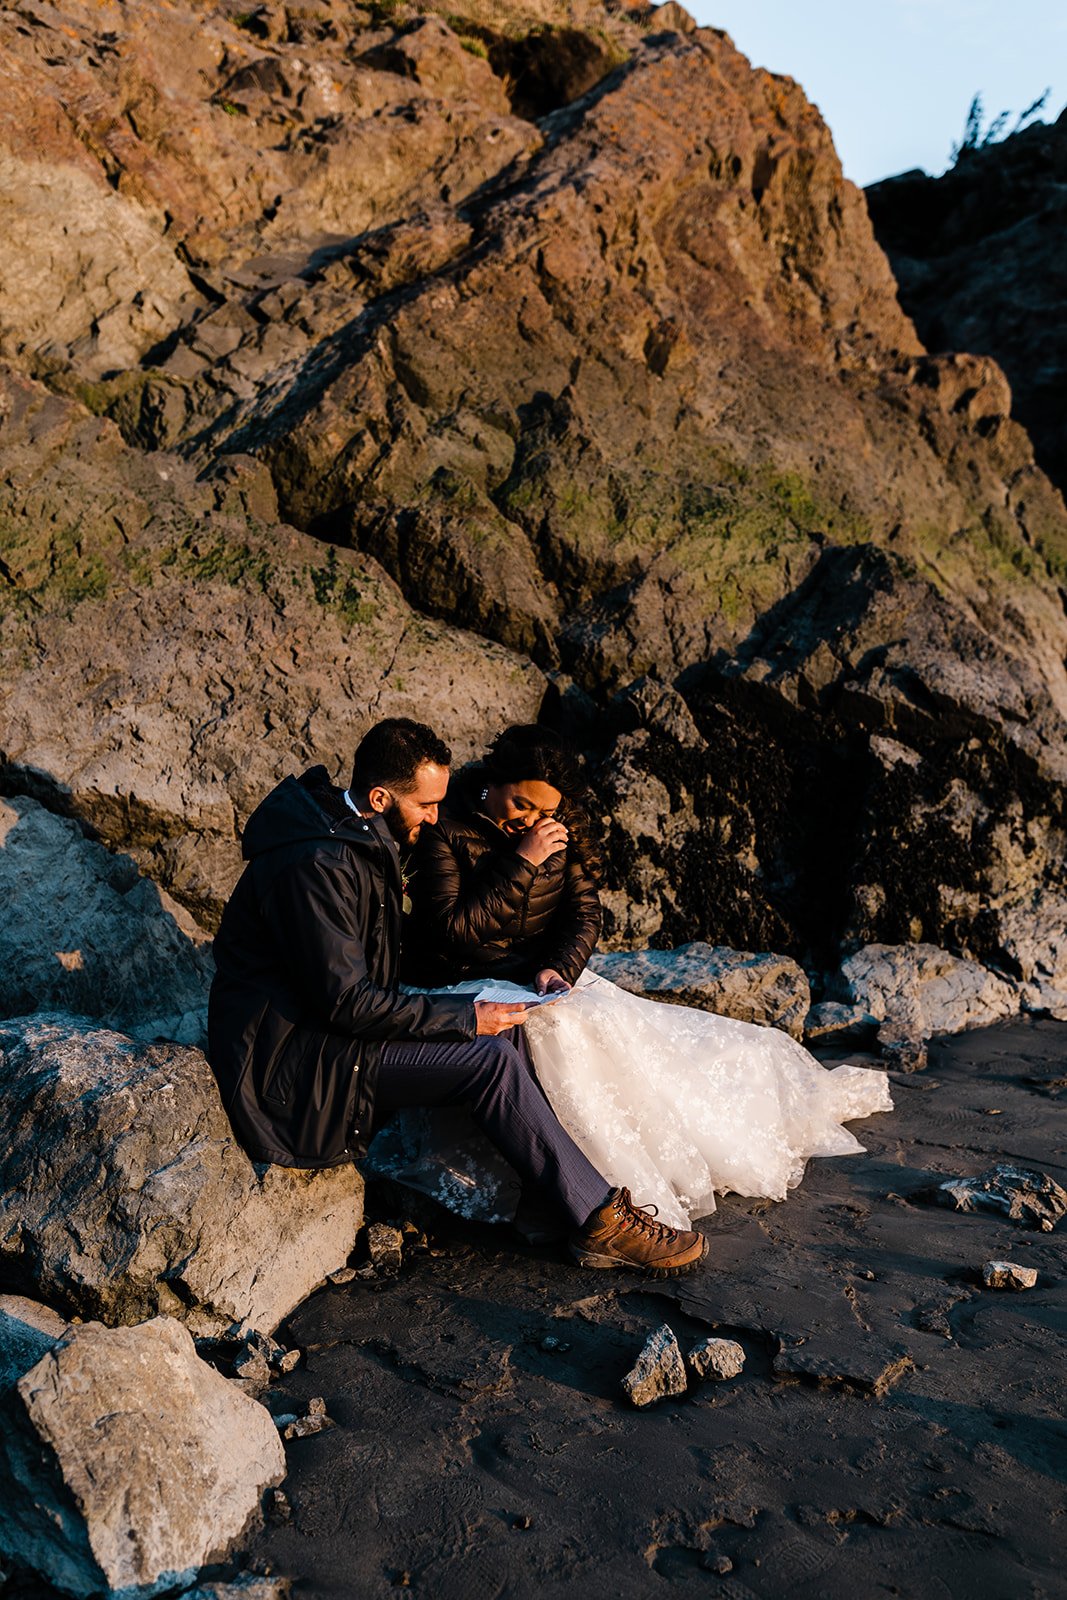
979,259
365,358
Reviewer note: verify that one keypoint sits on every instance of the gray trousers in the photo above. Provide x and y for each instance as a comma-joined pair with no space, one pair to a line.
494,1078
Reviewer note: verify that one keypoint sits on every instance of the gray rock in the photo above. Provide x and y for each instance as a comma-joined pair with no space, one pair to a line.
1033,934
83,931
126,1461
1008,1191
385,1246
128,1195
710,1561
917,990
253,1366
315,1421
658,1371
122,286
830,1020
716,1358
1008,1275
902,1052
768,989
249,1586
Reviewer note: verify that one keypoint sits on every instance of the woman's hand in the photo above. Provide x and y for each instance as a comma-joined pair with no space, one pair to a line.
548,981
544,839
495,1016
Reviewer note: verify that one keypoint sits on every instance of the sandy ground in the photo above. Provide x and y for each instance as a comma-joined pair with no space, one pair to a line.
897,1429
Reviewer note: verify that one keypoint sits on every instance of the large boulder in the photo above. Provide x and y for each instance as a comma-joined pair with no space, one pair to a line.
84,932
628,391
127,1195
916,991
126,1462
169,651
768,989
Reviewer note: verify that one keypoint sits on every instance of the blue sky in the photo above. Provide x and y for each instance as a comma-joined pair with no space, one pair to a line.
894,78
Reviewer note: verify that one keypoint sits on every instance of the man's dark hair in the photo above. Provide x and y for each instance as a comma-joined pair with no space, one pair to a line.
392,752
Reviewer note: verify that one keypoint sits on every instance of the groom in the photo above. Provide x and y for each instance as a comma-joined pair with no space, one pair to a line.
312,1042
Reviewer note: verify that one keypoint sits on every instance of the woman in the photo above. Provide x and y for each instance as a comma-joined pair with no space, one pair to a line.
672,1102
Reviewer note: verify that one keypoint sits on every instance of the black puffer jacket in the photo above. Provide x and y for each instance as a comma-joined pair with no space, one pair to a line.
482,910
307,960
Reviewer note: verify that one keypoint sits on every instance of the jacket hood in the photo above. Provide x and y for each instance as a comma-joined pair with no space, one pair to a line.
308,807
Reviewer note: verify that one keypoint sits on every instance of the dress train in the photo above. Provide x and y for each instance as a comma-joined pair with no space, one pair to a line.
674,1103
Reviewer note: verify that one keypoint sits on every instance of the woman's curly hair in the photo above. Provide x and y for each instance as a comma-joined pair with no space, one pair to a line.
530,753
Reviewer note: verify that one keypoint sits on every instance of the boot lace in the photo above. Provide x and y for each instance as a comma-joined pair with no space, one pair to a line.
642,1219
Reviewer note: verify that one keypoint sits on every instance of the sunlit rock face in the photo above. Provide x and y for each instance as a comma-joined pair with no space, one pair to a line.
390,361
976,253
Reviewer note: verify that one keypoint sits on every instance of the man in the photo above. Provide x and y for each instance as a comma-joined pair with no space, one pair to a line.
312,1042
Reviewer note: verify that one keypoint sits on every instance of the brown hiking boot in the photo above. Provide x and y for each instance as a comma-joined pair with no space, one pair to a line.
621,1234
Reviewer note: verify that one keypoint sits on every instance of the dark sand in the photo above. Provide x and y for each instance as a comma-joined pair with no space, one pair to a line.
896,1431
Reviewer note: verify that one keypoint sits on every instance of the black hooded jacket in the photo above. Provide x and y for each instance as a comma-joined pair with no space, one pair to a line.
305,990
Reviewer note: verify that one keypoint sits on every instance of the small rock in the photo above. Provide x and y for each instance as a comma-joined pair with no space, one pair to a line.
316,1421
279,1510
385,1246
287,1360
716,1563
304,1427
715,1358
248,1586
343,1275
658,1371
1008,1275
253,1366
550,1342
832,1021
902,1052
1017,1193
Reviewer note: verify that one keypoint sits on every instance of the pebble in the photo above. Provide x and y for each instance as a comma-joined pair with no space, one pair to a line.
658,1370
714,1563
342,1275
316,1421
252,1365
1008,1275
385,1245
715,1358
279,1509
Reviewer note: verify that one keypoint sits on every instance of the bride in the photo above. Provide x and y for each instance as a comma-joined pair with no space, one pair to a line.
674,1103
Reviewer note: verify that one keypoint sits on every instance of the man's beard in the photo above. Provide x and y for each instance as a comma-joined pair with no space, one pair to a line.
404,834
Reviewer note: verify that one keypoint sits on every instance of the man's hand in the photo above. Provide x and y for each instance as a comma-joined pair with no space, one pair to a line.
548,981
544,839
494,1016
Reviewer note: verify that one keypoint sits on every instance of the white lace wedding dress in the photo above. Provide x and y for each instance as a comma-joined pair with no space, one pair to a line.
674,1103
